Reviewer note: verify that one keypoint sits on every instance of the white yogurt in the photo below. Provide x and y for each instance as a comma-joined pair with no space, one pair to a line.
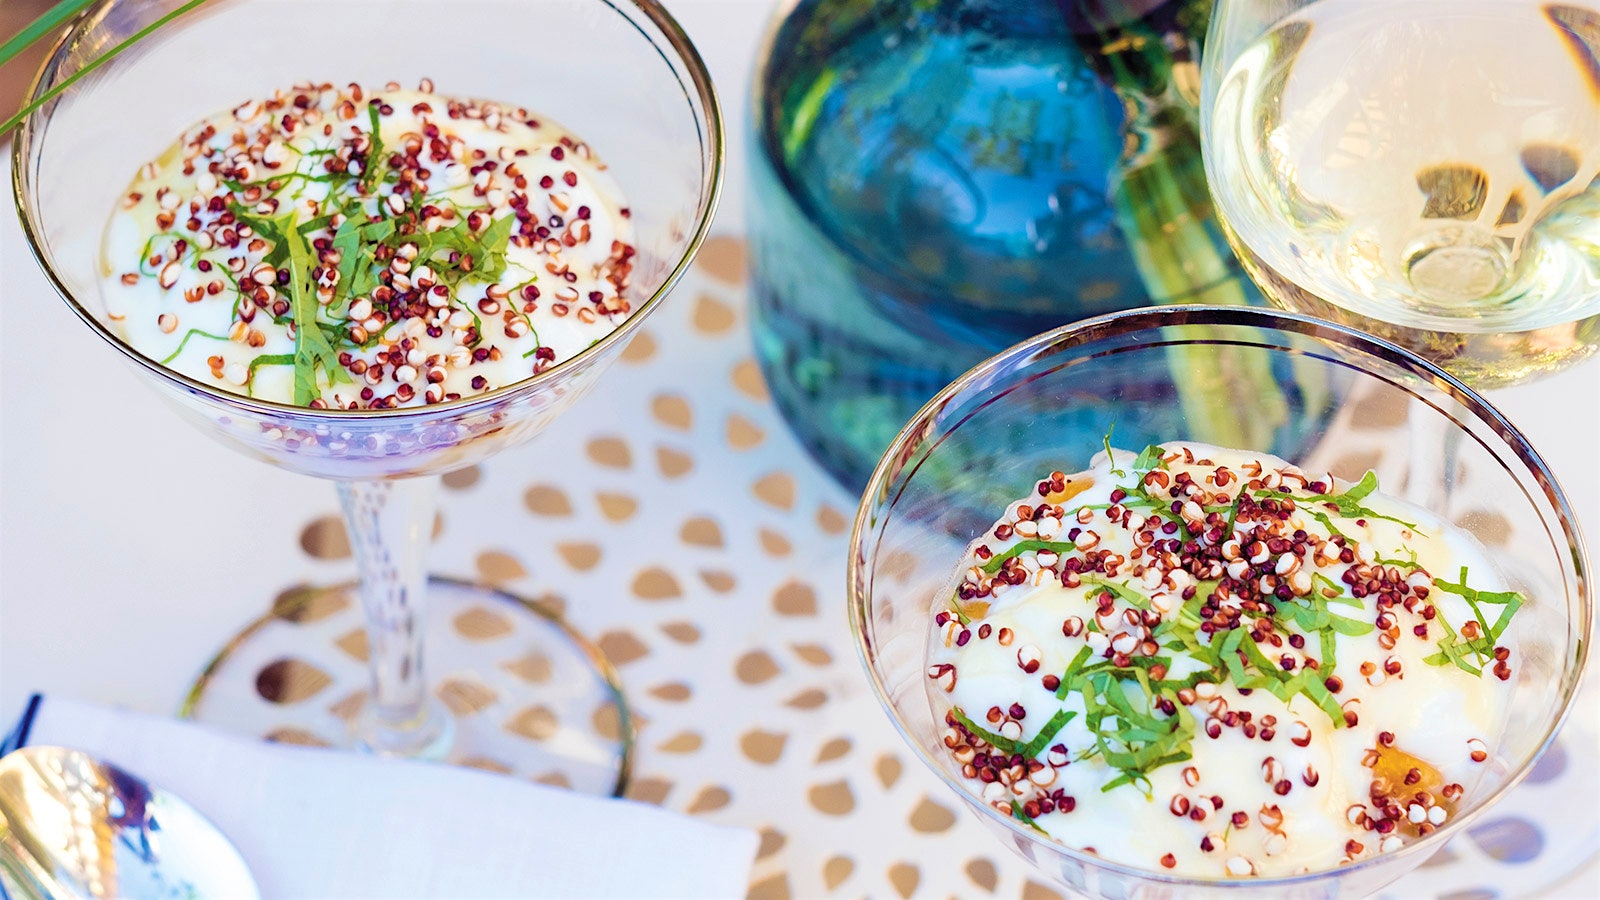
1281,808
197,309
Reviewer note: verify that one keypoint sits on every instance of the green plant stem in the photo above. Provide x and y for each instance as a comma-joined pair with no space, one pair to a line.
55,91
52,18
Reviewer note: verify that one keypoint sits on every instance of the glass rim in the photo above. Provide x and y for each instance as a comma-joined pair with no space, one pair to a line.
711,192
1149,318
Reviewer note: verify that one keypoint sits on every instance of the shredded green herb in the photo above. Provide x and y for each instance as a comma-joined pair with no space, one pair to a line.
1009,747
1348,503
193,332
1453,648
1111,456
1017,810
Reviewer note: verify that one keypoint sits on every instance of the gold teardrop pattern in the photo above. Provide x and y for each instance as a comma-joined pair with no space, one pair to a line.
649,789
748,380
776,489
1033,890
616,507
723,257
486,764
774,543
461,479
682,742
607,721
1381,409
465,696
682,632
763,747
656,584
673,463
810,698
833,798
755,667
905,877
743,434
983,873
701,531
289,681
534,668
296,736
672,692
795,598
718,580
481,624
580,555
836,870
888,768
815,654
710,799
672,410
641,349
354,644
931,818
305,605
325,538
547,500
772,840
834,749
712,316
773,887
611,452
536,723
830,520
622,647
497,567
1487,525
554,779
348,708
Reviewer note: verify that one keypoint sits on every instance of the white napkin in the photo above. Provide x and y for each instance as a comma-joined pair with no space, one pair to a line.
328,823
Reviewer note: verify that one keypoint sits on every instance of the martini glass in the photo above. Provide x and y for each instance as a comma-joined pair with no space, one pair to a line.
917,518
503,684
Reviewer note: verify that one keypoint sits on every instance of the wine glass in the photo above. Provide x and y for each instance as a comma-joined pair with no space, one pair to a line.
1423,170
925,504
506,685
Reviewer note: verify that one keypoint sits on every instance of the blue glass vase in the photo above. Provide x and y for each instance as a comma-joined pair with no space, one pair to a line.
935,180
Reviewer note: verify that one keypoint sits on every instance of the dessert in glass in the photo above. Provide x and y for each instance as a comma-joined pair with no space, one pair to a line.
346,271
1193,669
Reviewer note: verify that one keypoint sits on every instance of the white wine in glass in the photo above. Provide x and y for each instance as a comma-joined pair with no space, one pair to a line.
1420,169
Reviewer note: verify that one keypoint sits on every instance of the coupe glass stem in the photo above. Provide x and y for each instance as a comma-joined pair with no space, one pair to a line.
389,524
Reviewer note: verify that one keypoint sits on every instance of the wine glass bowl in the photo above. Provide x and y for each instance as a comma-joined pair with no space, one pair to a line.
622,76
924,505
1423,170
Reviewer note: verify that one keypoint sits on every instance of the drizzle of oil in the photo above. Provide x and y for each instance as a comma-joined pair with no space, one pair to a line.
1389,777
973,609
1074,487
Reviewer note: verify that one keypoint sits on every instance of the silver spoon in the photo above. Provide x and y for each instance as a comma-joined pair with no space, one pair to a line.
72,826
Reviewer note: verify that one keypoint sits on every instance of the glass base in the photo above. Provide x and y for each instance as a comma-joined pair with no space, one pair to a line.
524,694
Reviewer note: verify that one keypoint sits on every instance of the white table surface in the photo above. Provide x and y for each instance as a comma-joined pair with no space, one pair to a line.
132,546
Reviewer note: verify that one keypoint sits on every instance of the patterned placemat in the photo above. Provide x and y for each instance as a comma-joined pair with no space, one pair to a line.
677,523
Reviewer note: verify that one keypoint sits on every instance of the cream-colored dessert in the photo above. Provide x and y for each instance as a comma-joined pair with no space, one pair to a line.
1209,662
348,248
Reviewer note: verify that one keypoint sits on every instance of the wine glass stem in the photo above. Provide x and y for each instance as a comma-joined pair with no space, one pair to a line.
389,524
1435,448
